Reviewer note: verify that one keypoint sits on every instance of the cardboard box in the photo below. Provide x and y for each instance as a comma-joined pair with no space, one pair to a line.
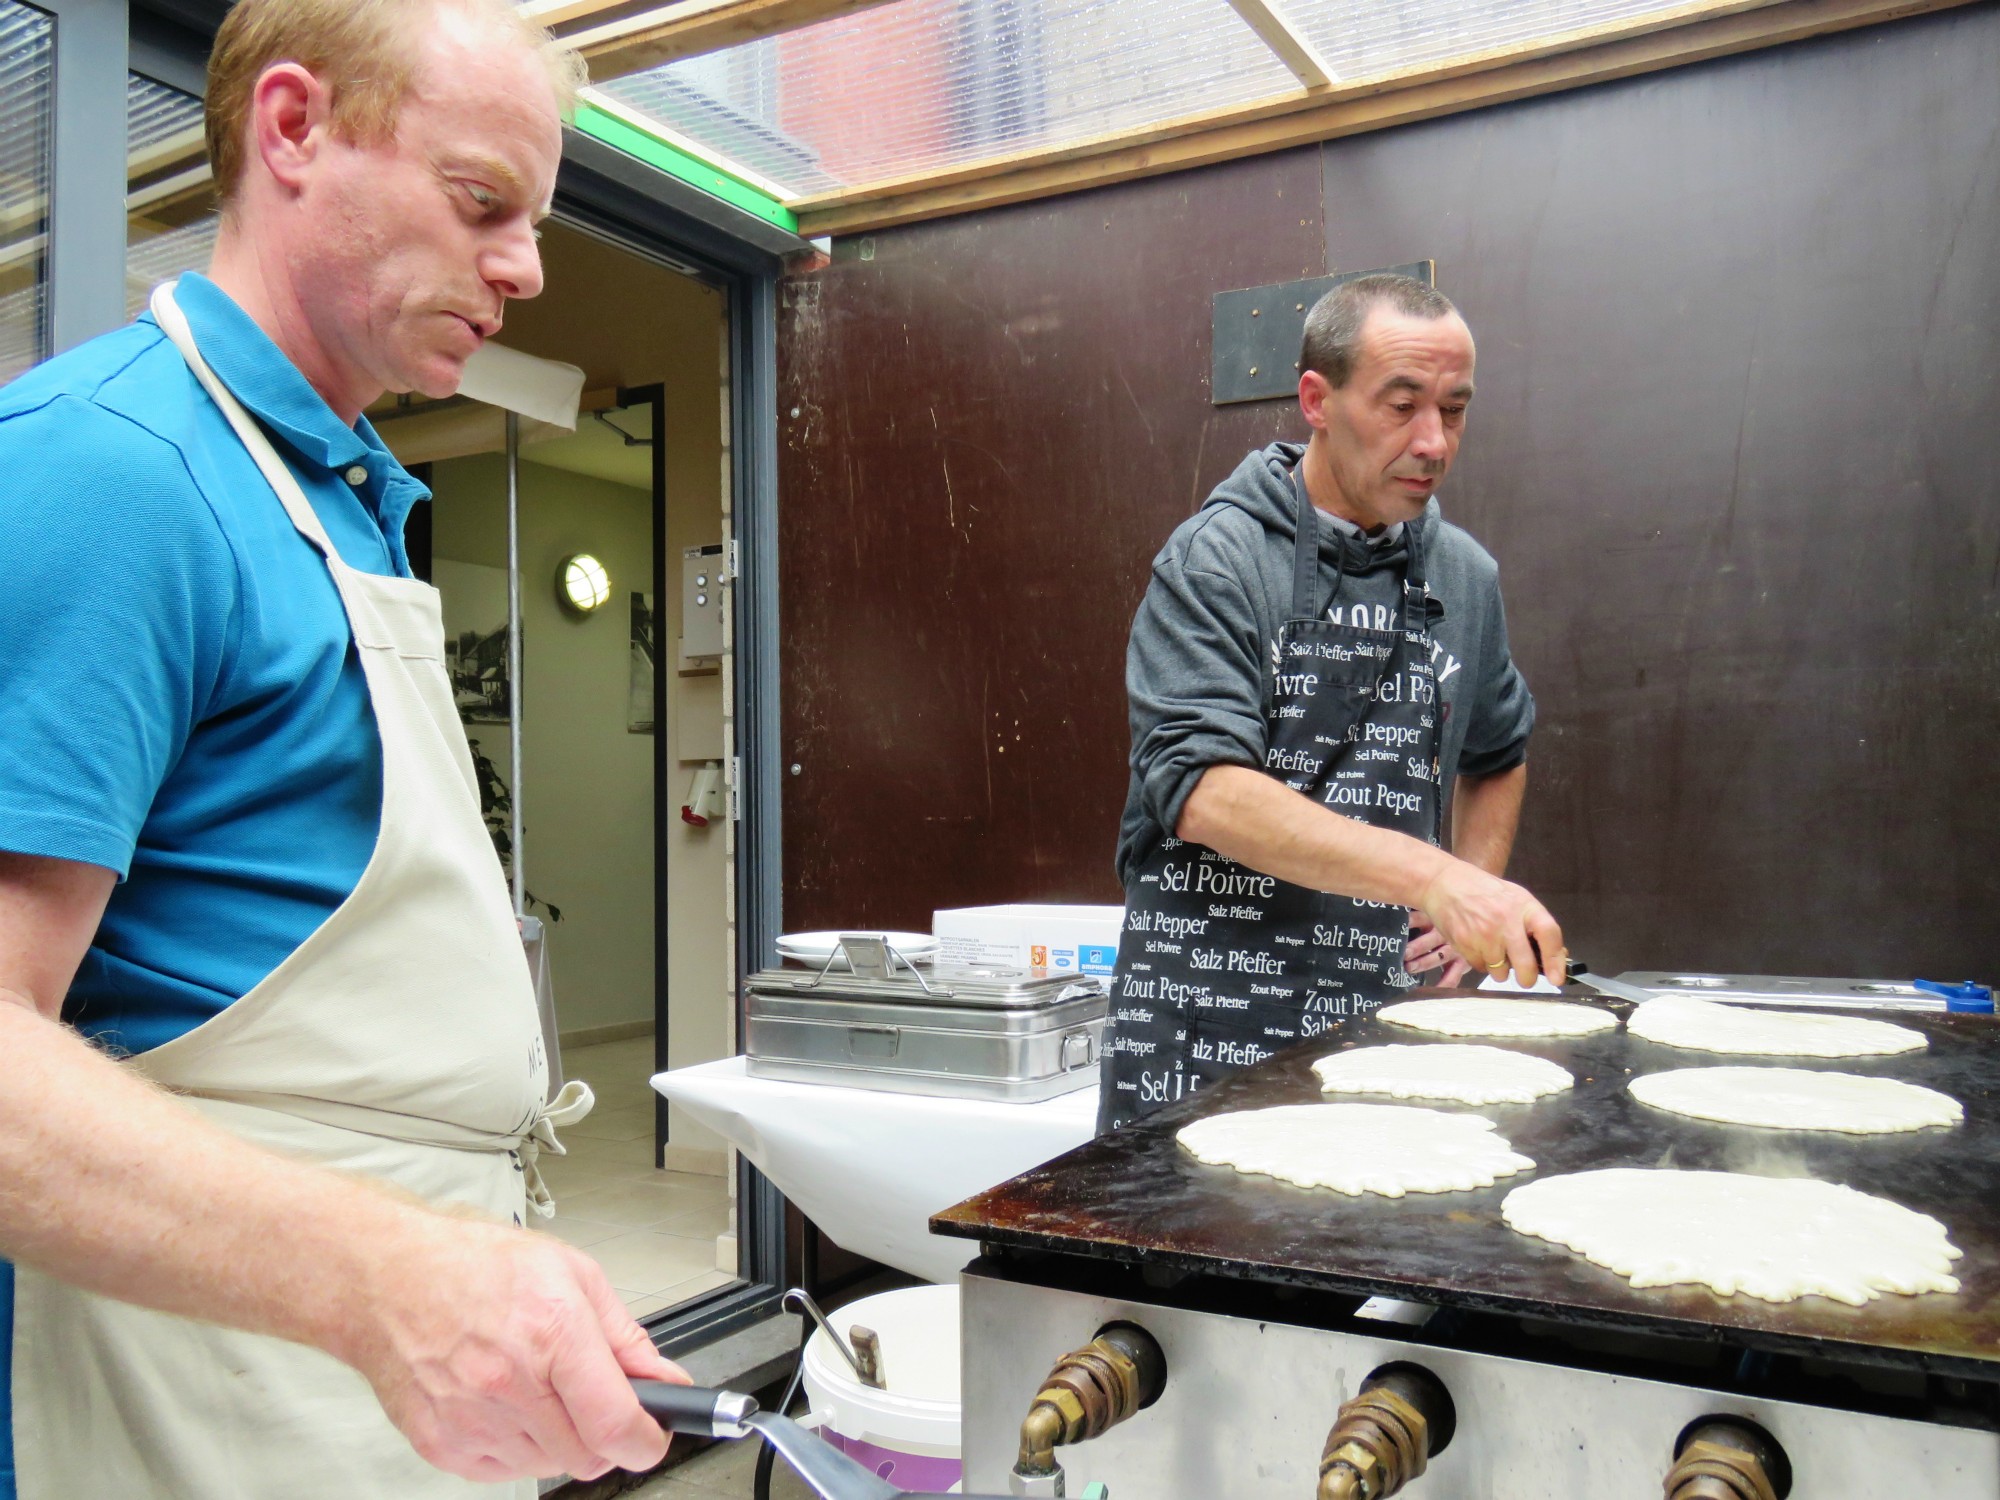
1061,939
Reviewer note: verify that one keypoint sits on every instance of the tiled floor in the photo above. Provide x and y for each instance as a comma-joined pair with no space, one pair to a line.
653,1232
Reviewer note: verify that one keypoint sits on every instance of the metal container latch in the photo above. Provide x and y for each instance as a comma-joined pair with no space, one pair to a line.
874,1041
1077,1051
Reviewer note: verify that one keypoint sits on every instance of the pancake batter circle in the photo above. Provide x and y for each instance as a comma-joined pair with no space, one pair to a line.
1498,1017
1704,1026
1464,1073
1390,1149
1798,1099
1773,1238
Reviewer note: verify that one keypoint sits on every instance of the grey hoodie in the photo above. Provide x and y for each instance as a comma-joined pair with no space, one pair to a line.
1197,670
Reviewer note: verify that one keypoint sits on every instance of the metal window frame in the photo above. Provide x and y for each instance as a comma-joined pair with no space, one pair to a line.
168,52
85,266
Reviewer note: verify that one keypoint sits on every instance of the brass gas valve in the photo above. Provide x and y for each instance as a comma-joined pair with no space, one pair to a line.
1088,1392
1728,1458
1386,1435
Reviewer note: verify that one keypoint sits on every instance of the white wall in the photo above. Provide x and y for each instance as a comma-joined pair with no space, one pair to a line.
587,801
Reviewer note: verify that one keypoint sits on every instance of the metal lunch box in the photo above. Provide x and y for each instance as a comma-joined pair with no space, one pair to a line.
966,1033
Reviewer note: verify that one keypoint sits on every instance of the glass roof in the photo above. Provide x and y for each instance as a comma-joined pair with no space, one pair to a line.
919,87
922,85
1367,41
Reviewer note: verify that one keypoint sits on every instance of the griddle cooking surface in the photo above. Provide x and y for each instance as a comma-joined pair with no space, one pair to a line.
1137,1197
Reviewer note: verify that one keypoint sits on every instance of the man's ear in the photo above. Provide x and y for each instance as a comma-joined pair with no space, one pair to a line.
290,114
1314,392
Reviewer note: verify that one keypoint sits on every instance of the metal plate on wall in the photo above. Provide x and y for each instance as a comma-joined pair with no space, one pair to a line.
1257,332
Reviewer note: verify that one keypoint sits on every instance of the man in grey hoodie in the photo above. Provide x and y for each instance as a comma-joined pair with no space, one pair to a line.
1302,699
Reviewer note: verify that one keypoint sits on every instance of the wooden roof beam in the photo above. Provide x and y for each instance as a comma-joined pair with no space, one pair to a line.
560,14
1291,46
694,27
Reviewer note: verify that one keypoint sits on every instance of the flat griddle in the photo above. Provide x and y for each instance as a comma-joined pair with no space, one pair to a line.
1136,1197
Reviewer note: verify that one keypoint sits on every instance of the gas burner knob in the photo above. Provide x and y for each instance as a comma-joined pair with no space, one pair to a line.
1386,1435
1728,1458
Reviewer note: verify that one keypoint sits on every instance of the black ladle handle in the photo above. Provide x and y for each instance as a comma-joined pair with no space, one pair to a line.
696,1409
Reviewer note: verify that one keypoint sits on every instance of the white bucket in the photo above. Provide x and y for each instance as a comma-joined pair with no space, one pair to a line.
908,1433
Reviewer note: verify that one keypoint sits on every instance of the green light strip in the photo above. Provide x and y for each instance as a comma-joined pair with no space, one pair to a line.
655,152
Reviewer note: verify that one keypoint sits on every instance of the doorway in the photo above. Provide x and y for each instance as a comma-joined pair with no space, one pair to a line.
619,721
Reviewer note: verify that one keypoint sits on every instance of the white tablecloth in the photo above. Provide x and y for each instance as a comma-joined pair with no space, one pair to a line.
870,1168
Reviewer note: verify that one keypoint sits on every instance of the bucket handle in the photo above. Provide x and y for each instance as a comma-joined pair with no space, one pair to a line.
800,1301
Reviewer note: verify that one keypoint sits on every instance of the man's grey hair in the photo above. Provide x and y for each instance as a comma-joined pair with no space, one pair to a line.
1333,327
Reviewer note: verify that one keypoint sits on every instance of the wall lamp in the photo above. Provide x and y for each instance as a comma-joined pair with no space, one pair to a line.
582,585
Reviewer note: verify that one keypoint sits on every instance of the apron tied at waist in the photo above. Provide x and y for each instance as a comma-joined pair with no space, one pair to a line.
571,1104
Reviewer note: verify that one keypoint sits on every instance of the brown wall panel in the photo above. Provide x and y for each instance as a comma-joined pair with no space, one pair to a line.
1734,446
998,421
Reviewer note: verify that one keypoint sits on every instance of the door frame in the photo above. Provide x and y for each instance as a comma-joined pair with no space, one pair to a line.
604,193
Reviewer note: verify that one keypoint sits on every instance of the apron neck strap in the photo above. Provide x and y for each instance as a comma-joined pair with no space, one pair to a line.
173,322
1416,587
1305,551
1305,561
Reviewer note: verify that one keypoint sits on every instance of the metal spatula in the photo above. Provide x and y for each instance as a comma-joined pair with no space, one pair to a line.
1617,989
706,1412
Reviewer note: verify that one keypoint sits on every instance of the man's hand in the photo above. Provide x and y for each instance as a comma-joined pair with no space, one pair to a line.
501,1353
1496,925
1427,950
1240,812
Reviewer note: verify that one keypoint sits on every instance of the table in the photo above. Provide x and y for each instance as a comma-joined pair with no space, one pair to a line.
870,1168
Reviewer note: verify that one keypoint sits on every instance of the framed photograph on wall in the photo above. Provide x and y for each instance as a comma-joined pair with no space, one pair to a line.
474,598
639,695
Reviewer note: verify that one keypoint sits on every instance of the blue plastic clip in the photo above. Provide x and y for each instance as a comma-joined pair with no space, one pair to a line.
1967,998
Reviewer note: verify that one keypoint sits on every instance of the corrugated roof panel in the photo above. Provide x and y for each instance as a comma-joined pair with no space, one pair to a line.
1366,41
924,85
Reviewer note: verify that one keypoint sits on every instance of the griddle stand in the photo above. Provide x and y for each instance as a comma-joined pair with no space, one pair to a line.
1273,1304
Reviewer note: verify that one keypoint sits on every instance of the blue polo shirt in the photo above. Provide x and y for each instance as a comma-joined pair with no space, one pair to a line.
180,698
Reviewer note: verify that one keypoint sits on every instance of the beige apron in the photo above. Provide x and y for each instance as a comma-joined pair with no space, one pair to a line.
400,1040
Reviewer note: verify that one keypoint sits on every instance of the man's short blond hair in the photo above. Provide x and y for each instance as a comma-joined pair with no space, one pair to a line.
365,51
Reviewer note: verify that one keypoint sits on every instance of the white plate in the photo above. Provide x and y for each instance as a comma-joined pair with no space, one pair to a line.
818,947
1507,986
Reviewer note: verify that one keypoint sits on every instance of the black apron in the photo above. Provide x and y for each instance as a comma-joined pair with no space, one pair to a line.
1220,966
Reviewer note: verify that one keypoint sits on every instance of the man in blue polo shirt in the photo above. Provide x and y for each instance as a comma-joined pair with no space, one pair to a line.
215,809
